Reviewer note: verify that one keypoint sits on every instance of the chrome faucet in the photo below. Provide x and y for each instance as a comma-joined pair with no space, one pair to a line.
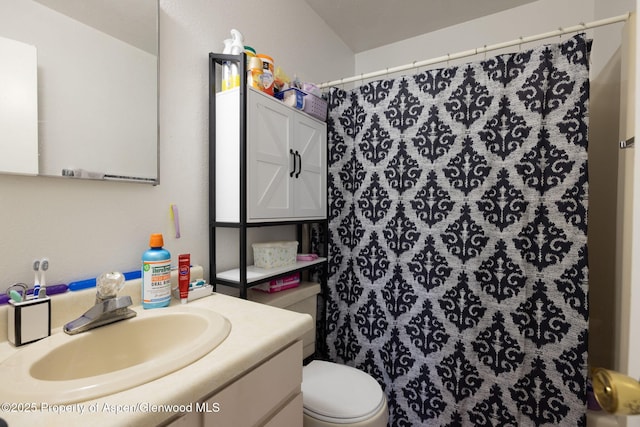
108,307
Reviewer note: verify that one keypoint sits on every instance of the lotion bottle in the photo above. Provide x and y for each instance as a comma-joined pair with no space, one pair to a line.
156,274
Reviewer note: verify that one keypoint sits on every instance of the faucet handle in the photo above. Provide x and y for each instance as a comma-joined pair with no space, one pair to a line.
108,284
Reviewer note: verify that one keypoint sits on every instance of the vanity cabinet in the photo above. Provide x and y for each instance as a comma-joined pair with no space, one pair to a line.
268,166
269,395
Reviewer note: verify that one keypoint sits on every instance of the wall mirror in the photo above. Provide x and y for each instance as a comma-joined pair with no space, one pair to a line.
97,78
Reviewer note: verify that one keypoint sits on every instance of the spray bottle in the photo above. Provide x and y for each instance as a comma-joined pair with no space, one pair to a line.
226,66
237,47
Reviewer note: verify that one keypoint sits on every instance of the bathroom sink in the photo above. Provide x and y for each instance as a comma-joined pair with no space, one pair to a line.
112,358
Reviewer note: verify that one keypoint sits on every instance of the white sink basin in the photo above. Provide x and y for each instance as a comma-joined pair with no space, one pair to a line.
112,358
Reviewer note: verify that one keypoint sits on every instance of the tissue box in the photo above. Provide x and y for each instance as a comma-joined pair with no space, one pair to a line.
274,254
276,285
29,320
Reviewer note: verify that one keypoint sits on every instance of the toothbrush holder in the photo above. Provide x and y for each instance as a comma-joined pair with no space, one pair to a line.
29,320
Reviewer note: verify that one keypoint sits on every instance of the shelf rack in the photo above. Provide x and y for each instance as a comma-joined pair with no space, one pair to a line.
245,276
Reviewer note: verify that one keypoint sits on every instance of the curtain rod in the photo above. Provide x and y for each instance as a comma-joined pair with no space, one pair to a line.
486,48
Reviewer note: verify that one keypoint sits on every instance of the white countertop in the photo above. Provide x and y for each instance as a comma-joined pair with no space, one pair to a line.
257,332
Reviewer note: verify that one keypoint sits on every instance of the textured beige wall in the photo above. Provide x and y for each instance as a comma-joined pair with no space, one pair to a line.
88,227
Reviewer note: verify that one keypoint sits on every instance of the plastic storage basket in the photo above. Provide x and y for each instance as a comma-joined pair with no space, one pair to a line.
274,254
316,107
307,102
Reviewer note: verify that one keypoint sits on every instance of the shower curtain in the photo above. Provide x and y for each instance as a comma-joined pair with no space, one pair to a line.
457,239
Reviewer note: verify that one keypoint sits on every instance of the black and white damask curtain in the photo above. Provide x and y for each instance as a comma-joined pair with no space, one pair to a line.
457,239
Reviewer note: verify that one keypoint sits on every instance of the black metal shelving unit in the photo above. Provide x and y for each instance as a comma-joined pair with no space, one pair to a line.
216,62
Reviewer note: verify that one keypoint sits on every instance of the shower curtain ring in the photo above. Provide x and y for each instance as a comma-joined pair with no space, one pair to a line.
413,66
561,31
520,44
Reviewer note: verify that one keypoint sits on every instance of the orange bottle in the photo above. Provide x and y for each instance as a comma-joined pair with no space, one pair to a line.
267,73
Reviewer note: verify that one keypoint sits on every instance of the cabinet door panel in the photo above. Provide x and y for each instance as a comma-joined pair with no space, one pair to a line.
227,165
260,394
310,185
269,161
192,419
290,416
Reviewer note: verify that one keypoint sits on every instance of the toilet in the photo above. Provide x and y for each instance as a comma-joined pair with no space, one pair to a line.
333,395
339,395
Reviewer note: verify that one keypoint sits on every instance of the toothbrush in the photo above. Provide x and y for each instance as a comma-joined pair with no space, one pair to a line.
36,283
44,266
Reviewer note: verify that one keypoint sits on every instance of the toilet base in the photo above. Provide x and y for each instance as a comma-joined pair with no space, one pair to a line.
379,419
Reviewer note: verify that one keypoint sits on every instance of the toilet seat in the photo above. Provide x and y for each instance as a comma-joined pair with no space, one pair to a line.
340,394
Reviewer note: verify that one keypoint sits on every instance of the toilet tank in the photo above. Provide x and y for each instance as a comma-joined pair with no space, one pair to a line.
303,299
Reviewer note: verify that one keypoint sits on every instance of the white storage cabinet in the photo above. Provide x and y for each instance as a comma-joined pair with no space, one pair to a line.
286,160
269,168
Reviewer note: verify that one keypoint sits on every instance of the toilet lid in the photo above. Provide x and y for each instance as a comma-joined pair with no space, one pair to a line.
337,392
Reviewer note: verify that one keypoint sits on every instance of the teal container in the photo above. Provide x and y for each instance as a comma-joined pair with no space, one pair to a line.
156,274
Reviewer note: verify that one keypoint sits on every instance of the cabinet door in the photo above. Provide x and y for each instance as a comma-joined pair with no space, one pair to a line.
192,419
290,415
260,394
269,161
310,185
